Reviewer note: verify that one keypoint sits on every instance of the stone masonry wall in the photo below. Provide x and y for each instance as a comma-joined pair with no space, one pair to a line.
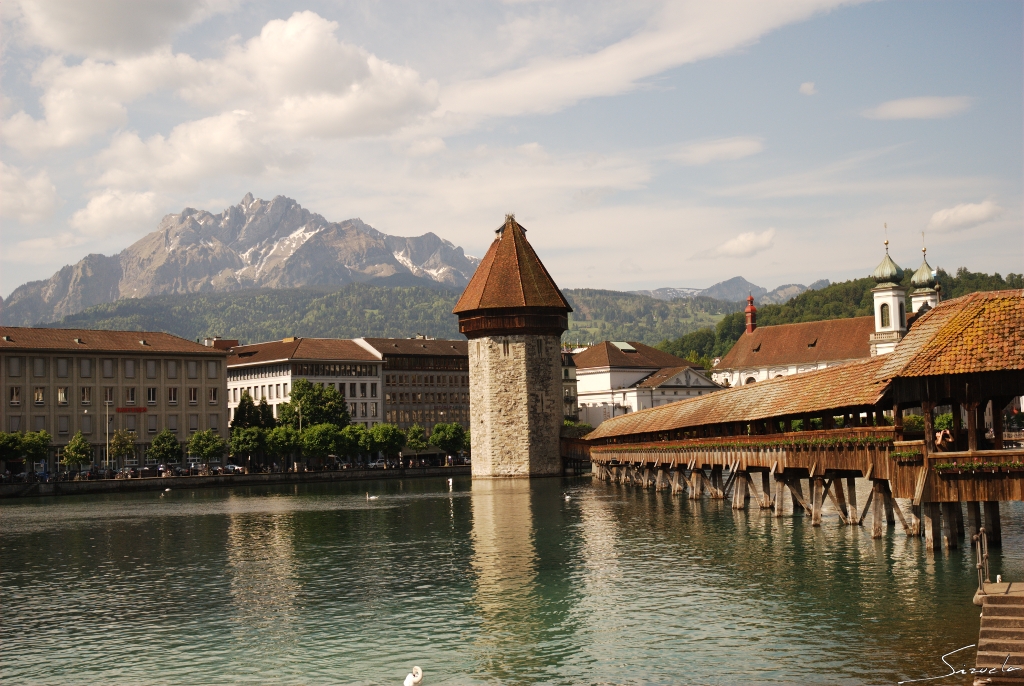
515,409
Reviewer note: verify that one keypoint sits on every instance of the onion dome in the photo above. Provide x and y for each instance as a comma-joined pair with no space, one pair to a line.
888,271
924,277
511,292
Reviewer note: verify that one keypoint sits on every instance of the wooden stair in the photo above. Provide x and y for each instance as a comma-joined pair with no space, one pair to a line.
1001,639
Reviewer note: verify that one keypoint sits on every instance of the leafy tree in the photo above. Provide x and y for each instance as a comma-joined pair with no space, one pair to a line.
246,415
35,445
10,447
386,438
571,429
467,443
248,442
206,445
351,441
266,413
165,448
451,438
315,404
77,452
913,422
122,444
282,442
416,438
944,421
320,440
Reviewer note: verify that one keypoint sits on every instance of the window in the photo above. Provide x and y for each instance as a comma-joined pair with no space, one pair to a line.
285,388
15,424
352,390
211,369
193,396
129,396
39,423
150,369
504,348
151,424
353,409
129,422
62,367
214,422
39,395
63,423
62,395
277,389
151,396
15,395
86,396
172,423
172,369
108,395
86,424
129,369
234,395
14,366
373,390
373,409
362,390
362,409
108,369
38,366
85,368
884,315
213,396
192,367
193,423
903,316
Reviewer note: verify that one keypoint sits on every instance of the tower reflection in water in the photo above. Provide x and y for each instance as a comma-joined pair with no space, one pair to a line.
523,593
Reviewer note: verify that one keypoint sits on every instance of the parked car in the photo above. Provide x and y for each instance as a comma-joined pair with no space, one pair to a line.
378,464
232,469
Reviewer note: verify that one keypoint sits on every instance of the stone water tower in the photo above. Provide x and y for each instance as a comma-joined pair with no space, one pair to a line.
514,315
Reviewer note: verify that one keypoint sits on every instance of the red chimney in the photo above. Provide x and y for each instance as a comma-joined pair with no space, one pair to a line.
751,313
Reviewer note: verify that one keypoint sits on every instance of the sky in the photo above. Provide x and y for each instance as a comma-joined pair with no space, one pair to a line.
641,144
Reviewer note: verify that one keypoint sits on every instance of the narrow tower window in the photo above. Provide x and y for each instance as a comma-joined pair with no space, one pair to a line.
884,313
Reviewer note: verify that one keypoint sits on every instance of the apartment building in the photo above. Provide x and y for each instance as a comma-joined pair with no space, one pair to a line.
269,371
67,380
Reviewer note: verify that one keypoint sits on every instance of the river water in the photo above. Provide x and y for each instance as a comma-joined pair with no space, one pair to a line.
486,582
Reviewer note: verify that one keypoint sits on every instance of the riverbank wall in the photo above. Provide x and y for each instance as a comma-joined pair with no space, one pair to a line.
63,488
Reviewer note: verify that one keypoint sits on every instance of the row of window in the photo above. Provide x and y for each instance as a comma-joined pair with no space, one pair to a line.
280,391
108,367
131,422
85,394
429,416
429,363
362,410
425,380
429,398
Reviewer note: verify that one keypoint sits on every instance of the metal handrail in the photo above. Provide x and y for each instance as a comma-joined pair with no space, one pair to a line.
981,553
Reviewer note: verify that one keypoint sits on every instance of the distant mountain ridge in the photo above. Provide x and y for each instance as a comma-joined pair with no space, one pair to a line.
255,244
737,289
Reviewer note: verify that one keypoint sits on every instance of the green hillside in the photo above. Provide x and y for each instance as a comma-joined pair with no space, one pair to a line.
837,301
388,311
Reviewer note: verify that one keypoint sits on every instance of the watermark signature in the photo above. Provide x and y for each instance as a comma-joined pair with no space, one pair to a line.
964,670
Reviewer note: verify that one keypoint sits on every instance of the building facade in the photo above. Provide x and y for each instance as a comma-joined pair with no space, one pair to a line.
570,401
619,377
268,371
67,380
514,315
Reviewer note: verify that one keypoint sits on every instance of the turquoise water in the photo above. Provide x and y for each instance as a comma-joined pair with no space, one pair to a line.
484,583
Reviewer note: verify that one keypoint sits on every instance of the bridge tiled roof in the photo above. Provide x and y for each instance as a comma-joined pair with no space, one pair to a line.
980,332
853,384
801,343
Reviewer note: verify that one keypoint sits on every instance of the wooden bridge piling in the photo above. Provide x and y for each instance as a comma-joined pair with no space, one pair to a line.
993,526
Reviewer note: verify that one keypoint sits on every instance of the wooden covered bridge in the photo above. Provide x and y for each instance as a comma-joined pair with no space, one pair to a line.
829,428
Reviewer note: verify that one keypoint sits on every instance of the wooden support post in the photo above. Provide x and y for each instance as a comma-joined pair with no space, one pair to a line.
887,492
766,491
957,427
851,492
716,481
844,513
997,422
972,428
897,422
878,496
797,494
974,517
659,480
993,527
780,495
817,495
932,526
928,410
645,480
949,538
739,495
960,528
696,483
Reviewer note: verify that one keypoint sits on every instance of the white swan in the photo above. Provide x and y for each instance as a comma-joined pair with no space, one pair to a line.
167,490
371,497
413,678
568,497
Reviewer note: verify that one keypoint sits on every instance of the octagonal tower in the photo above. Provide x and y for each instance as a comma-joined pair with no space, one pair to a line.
514,315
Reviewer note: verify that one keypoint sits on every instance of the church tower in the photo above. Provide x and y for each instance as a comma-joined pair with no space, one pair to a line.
890,311
514,315
924,296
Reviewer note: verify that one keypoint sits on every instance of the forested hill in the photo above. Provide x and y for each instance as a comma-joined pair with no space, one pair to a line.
367,310
837,301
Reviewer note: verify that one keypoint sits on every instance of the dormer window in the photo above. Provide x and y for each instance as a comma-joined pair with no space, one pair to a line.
812,343
756,348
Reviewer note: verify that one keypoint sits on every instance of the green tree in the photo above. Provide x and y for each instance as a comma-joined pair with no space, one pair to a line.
248,442
77,452
451,438
416,438
315,404
282,442
944,421
571,429
246,415
320,440
165,448
266,413
351,441
122,444
206,445
35,446
386,438
10,447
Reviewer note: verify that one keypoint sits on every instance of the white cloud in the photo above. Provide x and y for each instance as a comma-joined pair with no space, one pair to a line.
746,244
721,149
807,88
964,215
919,108
113,212
26,199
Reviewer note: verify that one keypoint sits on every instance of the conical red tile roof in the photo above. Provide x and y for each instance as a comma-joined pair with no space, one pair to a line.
511,276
